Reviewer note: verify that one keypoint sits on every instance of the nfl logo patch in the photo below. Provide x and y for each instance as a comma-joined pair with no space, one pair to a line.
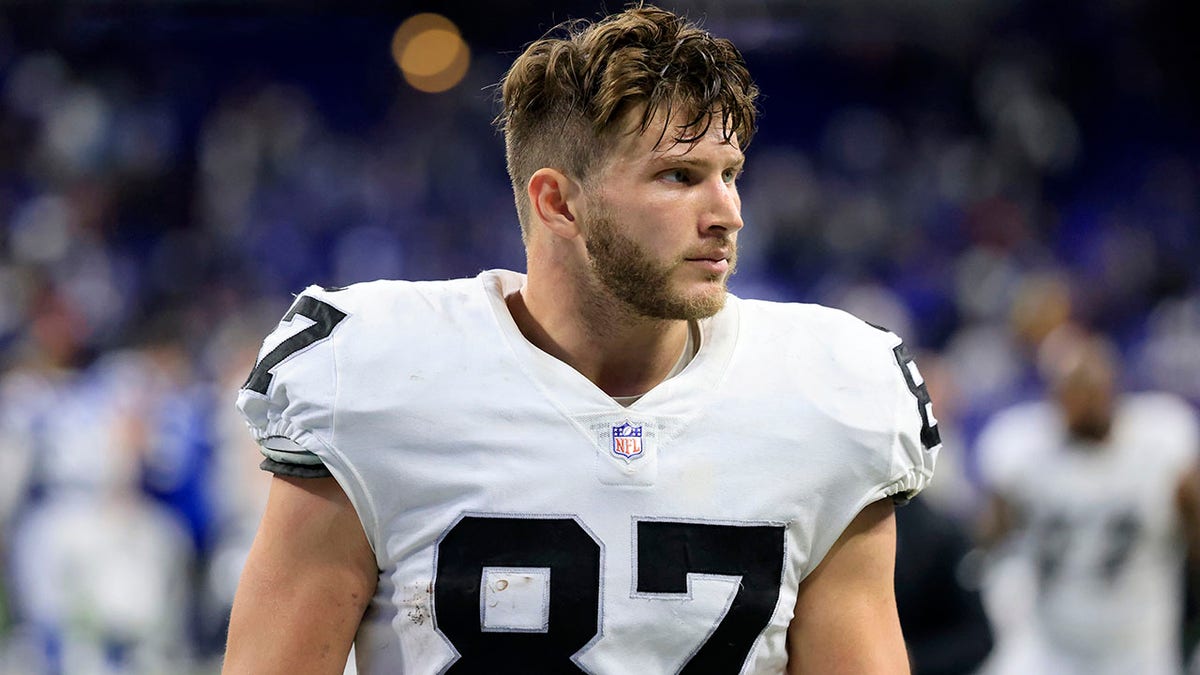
627,441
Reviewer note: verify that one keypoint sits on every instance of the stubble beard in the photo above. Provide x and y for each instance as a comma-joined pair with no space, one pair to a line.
630,275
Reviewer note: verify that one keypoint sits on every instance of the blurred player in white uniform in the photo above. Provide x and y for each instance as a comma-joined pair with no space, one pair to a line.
607,464
1099,490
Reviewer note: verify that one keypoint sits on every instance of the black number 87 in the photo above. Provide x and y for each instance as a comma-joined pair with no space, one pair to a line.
667,551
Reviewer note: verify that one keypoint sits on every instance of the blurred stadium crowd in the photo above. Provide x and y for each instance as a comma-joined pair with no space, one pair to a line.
972,175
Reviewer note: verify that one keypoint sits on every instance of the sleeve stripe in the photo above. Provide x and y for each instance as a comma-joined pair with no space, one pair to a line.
286,451
295,470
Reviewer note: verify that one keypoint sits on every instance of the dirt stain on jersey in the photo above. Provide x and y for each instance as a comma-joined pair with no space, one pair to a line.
416,602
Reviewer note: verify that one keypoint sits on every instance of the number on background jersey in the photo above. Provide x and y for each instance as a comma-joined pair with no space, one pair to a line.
1123,530
325,316
667,552
1057,539
1054,541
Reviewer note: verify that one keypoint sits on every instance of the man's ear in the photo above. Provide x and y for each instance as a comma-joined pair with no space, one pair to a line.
555,198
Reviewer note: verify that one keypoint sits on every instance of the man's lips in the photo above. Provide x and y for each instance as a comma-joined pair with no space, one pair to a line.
719,264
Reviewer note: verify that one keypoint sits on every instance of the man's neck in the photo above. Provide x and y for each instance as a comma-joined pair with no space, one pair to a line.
622,353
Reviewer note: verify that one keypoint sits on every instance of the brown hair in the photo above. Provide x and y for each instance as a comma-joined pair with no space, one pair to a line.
564,98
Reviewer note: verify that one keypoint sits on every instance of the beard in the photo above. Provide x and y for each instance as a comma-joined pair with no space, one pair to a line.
628,273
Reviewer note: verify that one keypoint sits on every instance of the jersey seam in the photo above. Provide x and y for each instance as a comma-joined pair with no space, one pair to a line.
373,538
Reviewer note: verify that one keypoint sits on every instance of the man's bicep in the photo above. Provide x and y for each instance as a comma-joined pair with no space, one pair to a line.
307,581
846,620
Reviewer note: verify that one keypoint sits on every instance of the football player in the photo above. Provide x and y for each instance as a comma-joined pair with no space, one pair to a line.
606,464
1098,491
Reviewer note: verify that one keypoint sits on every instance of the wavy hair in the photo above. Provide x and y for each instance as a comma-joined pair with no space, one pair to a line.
565,98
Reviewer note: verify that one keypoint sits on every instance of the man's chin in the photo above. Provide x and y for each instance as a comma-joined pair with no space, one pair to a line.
702,303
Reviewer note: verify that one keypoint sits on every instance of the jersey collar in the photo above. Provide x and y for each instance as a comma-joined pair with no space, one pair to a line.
574,394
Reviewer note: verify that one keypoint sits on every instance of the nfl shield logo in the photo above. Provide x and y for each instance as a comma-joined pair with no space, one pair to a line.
627,441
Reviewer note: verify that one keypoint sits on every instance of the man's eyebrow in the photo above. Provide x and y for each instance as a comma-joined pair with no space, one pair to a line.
685,160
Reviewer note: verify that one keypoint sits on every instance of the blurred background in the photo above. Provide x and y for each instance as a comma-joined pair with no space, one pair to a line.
971,174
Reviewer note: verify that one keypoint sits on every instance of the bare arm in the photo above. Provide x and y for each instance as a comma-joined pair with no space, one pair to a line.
307,581
846,619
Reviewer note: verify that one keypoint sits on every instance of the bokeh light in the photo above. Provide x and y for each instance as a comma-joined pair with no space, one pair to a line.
430,52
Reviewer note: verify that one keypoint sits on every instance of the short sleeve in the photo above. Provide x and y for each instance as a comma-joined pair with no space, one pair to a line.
288,399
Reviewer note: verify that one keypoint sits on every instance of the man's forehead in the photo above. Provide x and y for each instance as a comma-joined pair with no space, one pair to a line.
660,138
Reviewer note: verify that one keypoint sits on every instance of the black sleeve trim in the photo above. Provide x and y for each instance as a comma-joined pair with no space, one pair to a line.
295,470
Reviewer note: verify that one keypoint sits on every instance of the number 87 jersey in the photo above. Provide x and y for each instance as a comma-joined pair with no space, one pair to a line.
524,521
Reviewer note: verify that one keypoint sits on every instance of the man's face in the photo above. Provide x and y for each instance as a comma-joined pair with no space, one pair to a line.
1086,390
661,224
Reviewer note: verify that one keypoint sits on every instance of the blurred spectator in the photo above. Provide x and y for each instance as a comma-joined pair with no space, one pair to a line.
89,534
238,487
1097,491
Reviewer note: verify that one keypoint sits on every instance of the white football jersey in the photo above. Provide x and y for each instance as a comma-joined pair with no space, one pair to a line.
523,521
1101,531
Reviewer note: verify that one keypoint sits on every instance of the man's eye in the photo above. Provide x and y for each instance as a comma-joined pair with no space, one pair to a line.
730,175
676,176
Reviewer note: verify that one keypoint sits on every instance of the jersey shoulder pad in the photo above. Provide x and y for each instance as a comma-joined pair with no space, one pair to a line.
880,358
1015,440
869,373
813,335
288,398
1163,422
329,336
